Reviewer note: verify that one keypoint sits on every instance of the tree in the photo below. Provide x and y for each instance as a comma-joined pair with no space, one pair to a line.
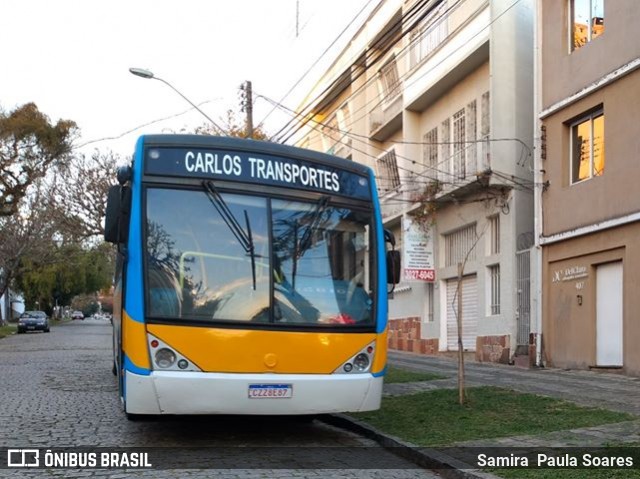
232,127
83,188
30,145
70,270
29,233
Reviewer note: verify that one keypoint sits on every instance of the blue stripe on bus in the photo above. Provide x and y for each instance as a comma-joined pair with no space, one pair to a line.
132,368
135,295
381,373
383,309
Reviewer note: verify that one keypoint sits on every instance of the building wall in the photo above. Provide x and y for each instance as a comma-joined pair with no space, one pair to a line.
569,339
574,215
486,48
607,196
565,73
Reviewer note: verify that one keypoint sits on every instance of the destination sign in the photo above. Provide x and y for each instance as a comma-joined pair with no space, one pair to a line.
255,168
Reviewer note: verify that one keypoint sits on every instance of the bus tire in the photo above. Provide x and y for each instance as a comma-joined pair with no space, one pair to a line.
140,417
304,418
114,370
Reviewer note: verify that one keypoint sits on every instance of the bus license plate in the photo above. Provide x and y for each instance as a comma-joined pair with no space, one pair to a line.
270,391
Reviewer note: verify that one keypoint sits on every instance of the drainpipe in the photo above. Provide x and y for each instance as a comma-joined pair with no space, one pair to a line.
538,179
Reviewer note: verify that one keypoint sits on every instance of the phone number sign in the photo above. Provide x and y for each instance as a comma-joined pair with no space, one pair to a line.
419,274
417,249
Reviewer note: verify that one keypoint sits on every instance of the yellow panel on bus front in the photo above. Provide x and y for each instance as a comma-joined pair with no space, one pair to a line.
256,351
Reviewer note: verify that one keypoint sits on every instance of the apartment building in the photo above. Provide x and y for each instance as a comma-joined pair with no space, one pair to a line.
436,96
589,111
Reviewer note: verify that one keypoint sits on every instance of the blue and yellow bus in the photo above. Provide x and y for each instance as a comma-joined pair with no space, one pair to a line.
251,279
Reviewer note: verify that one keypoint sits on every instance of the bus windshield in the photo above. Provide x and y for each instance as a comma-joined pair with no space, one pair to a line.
309,272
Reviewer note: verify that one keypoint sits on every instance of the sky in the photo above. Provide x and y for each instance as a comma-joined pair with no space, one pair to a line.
72,58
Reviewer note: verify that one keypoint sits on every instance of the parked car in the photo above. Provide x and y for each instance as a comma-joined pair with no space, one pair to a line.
33,321
77,315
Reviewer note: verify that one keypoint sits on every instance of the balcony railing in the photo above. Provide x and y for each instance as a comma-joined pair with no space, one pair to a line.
386,112
460,168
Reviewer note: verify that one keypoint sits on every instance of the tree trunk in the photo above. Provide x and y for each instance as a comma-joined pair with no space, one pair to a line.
461,395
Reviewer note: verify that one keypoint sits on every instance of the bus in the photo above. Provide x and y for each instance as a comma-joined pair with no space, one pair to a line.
251,278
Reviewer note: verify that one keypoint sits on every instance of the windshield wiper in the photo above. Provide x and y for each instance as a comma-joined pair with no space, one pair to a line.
245,238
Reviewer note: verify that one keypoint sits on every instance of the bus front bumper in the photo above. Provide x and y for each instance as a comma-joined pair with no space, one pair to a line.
181,392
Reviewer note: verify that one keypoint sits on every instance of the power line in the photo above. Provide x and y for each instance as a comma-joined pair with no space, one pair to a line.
370,53
318,59
407,17
414,174
152,122
402,52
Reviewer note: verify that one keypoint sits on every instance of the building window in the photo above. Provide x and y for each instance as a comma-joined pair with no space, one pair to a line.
390,80
485,128
472,150
330,135
494,285
587,21
430,152
587,147
459,144
494,234
460,245
388,176
445,151
429,33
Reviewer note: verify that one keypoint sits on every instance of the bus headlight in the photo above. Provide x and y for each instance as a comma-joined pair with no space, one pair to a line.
361,362
165,358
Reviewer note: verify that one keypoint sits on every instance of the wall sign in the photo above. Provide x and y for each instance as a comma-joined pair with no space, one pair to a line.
417,253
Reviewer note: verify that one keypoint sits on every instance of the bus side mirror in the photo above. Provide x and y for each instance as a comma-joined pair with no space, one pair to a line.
393,267
116,223
393,259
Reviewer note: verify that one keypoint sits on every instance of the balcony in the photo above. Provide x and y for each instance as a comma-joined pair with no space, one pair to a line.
386,118
459,172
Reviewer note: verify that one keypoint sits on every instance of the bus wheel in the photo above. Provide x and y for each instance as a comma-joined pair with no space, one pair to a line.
304,418
114,370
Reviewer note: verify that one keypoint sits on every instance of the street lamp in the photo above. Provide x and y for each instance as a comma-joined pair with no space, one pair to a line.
142,73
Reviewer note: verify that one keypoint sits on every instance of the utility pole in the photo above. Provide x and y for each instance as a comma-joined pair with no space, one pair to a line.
247,106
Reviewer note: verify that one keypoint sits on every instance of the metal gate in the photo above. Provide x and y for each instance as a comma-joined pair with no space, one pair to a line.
523,311
469,313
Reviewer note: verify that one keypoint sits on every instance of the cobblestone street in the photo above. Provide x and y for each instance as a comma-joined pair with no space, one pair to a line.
58,391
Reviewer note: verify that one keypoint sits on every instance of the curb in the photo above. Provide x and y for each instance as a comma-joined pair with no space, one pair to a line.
426,458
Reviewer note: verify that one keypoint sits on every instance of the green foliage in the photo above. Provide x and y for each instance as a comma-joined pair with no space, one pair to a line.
7,330
435,418
30,145
71,270
87,303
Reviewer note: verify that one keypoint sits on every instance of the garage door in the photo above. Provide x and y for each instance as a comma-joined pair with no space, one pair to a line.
469,313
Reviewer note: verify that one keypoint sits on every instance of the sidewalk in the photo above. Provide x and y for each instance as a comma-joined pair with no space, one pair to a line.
593,389
588,388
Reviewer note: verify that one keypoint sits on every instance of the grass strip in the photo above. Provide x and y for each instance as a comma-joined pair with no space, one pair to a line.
434,418
7,330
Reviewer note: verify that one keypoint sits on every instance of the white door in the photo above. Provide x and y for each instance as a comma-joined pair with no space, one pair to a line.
609,314
469,313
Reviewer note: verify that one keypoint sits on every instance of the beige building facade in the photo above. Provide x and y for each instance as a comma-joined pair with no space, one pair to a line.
436,96
589,213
